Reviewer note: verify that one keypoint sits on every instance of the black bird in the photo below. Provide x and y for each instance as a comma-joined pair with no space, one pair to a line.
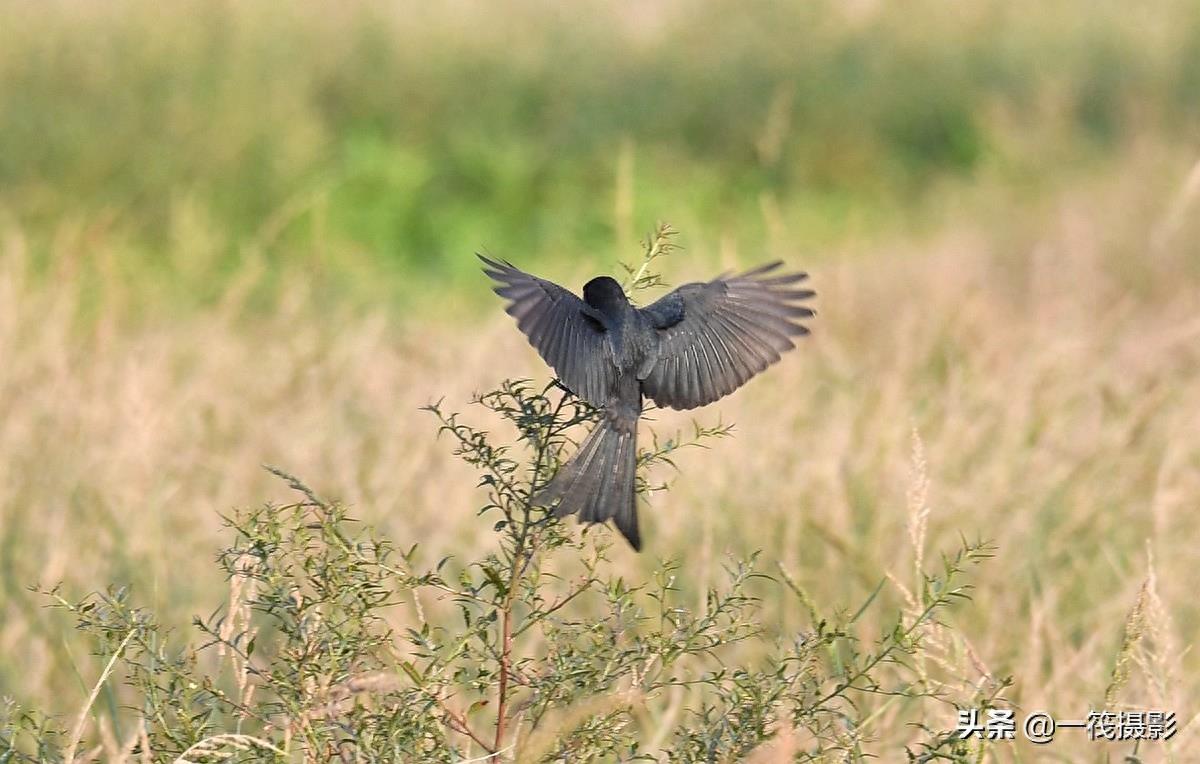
693,346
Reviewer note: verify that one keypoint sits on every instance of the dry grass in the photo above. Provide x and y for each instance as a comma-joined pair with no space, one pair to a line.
1036,384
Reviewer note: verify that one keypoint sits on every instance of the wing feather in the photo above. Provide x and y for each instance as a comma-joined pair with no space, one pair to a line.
715,336
749,351
556,323
727,373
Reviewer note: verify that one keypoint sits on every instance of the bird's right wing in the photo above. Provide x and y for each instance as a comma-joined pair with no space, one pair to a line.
555,322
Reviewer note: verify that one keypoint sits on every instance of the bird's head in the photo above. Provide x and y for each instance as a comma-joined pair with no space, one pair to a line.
605,295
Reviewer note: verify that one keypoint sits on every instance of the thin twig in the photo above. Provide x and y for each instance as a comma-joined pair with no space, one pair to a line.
297,485
557,605
459,724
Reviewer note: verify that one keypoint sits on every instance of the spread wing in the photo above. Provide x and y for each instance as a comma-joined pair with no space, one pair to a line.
715,336
558,327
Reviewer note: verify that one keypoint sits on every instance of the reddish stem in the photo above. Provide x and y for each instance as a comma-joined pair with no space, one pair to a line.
502,704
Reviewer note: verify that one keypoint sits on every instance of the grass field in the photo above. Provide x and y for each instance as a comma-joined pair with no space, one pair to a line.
239,234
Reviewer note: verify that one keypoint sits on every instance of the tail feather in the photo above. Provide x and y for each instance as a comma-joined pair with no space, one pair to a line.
598,482
625,514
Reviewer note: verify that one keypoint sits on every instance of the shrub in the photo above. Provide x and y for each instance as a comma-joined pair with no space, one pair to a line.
336,645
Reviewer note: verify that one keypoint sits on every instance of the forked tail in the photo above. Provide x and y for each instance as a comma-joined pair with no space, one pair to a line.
598,482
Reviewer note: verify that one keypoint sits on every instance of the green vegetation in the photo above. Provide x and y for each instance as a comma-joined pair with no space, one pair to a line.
382,145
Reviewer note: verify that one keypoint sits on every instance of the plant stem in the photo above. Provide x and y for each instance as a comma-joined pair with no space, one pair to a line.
458,722
505,658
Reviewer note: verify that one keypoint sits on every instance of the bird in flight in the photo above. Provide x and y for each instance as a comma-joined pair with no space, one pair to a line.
691,347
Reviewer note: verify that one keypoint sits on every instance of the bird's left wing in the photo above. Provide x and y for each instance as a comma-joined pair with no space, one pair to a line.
715,336
558,327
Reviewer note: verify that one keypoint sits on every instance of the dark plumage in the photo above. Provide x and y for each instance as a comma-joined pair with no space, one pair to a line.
693,346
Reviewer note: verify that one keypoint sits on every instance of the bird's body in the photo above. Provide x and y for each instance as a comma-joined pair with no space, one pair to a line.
632,338
693,346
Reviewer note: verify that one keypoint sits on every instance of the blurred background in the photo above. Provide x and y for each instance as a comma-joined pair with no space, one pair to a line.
243,232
